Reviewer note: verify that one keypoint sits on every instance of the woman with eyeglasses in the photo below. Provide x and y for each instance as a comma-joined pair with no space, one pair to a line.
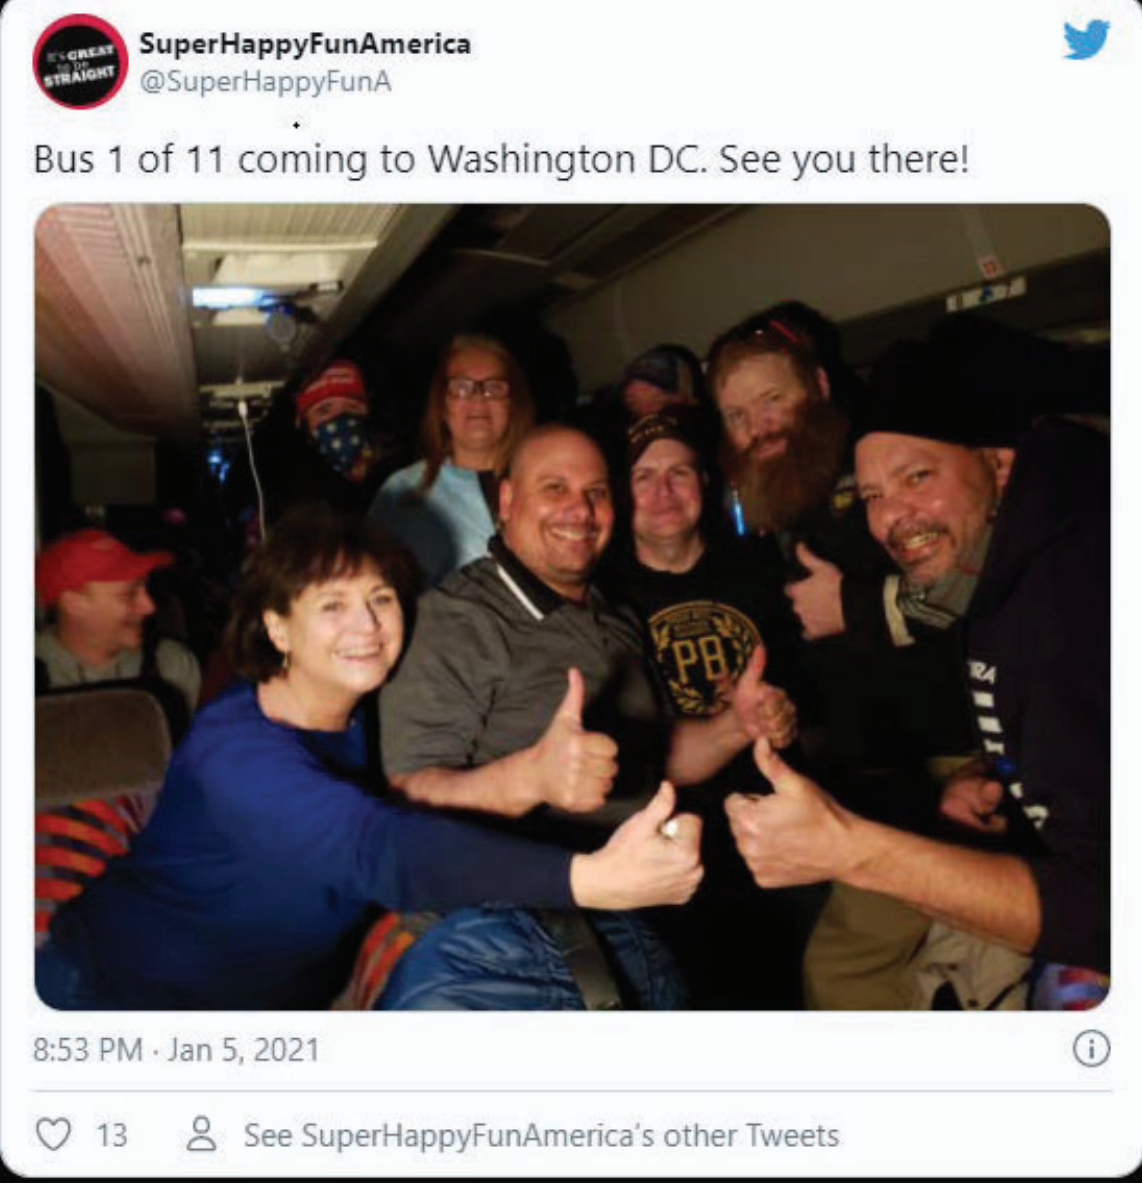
443,508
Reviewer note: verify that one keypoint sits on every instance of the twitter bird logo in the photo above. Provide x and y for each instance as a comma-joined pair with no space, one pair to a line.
1085,43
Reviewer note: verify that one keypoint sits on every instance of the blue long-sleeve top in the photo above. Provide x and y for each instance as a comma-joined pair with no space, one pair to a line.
251,884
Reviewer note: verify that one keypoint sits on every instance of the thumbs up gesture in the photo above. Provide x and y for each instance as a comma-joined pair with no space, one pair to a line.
573,769
761,709
816,598
642,865
797,835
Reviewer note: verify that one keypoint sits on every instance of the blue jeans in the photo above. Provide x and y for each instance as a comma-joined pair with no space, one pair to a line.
503,958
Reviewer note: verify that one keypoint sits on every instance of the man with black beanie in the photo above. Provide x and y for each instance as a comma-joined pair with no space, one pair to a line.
1004,534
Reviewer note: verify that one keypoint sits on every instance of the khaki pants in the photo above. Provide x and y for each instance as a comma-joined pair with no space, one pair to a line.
869,951
861,951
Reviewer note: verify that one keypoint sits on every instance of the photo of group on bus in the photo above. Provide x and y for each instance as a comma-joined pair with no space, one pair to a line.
572,608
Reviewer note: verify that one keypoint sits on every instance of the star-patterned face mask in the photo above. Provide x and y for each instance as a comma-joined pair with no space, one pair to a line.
341,439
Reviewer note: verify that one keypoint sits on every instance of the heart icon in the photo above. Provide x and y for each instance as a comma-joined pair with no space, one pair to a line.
53,1133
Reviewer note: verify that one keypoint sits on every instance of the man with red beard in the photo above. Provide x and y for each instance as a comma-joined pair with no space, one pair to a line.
778,381
785,438
887,705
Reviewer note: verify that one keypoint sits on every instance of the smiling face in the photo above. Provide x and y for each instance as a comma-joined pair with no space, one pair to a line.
476,426
107,616
928,502
556,509
666,493
341,637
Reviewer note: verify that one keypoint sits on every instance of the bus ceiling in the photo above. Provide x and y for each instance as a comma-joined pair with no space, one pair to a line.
158,319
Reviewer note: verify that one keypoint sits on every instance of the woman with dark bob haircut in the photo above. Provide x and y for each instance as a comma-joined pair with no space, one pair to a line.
272,845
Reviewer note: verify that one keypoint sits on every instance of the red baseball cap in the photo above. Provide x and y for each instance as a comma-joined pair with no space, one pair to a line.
339,380
71,561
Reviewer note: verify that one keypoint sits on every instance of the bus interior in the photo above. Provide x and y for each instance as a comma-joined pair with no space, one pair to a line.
152,373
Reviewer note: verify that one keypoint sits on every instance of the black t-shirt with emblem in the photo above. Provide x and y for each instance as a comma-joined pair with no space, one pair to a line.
704,624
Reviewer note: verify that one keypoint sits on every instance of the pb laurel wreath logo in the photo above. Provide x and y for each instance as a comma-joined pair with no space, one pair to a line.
80,61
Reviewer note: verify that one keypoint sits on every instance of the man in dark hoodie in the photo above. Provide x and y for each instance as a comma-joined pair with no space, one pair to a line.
1008,533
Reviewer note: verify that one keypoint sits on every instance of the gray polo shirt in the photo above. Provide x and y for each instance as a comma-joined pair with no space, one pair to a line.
487,668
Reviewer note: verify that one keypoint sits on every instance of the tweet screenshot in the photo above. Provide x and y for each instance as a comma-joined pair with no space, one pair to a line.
591,525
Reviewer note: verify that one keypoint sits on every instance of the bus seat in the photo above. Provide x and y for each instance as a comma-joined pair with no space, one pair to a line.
101,755
100,743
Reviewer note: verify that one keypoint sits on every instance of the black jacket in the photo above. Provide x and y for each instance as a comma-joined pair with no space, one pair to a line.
1038,633
880,710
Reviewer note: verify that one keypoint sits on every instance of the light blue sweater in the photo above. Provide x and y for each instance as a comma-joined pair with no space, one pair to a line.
446,525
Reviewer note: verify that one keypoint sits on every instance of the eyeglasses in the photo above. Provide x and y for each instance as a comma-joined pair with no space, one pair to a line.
464,389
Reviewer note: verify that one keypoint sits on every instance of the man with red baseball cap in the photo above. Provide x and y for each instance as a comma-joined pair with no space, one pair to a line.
334,411
94,588
318,446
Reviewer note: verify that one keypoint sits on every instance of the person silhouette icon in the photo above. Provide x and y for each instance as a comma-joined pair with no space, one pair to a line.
202,1141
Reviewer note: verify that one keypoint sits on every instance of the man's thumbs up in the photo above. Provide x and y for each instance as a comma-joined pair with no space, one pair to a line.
761,709
570,711
755,668
751,675
795,836
574,770
784,778
809,559
816,598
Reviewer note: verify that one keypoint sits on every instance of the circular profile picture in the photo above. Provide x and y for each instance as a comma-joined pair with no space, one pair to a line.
80,61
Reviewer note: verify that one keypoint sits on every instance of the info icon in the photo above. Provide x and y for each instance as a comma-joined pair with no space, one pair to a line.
80,61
